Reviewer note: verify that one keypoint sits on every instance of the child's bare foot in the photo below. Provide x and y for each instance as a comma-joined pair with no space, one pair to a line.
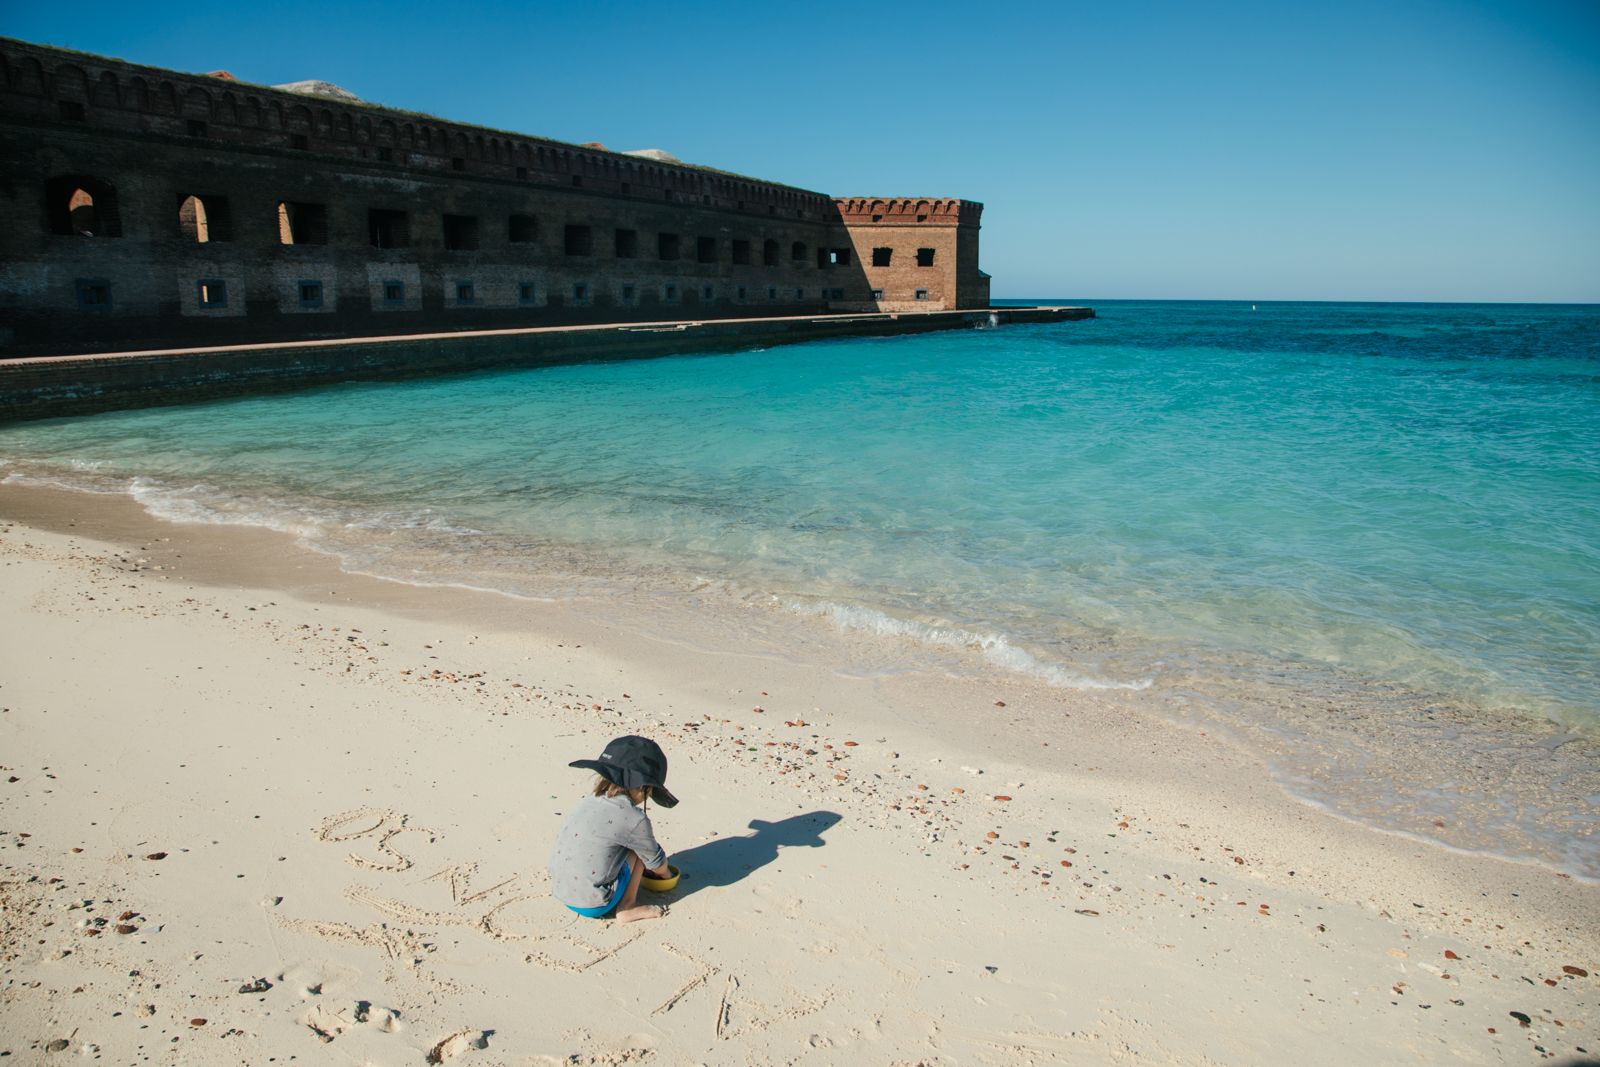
641,911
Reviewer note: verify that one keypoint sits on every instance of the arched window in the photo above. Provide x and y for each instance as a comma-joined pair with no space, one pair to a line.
192,220
80,206
106,93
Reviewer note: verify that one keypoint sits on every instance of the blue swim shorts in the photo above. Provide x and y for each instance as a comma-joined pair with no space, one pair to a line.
622,887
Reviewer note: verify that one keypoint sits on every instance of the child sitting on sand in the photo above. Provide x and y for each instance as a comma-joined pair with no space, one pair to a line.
607,843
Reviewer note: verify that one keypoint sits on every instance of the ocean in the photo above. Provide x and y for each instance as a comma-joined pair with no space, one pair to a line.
1361,539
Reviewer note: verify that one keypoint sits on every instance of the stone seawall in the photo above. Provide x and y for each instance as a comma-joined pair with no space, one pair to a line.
55,386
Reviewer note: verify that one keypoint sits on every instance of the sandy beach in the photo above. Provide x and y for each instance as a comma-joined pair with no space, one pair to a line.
258,809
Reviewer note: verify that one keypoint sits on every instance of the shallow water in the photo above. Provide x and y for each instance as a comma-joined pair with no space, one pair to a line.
1309,521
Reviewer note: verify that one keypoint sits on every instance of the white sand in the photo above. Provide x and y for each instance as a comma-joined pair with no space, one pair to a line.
372,843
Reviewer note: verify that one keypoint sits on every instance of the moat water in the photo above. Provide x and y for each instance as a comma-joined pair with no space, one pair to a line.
1363,539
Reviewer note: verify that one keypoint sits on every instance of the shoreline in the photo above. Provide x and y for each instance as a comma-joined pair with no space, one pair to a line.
1476,779
1073,762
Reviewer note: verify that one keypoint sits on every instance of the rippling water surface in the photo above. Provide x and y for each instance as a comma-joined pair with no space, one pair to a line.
1339,505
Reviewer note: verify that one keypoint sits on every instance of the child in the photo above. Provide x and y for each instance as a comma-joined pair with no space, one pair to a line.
607,843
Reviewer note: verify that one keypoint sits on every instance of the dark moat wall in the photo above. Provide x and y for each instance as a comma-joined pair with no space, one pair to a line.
42,387
326,218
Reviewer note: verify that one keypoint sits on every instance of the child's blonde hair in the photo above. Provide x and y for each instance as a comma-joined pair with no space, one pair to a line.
604,787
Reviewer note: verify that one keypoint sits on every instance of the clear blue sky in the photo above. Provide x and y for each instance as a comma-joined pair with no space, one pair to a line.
1227,150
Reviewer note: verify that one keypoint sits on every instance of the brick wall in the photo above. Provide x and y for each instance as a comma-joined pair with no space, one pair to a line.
395,222
918,252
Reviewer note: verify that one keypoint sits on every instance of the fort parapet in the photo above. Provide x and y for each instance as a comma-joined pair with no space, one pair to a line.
144,208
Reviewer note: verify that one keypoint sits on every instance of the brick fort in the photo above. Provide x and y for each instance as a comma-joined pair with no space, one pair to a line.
145,208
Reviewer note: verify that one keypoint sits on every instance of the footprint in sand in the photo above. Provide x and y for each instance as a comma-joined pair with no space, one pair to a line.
457,1043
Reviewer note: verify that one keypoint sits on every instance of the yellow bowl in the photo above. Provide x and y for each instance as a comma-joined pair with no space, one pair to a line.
660,885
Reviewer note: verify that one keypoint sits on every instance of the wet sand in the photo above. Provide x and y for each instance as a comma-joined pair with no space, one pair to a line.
353,784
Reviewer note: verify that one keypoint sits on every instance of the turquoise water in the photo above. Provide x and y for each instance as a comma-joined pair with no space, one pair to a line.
1173,497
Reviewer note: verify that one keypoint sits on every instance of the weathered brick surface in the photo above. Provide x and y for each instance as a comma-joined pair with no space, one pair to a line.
482,215
931,245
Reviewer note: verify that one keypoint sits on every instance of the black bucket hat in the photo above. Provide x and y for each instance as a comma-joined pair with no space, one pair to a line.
631,762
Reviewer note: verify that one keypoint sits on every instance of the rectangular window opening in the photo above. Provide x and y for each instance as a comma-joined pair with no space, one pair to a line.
670,294
577,180
626,187
461,233
522,174
877,294
922,294
579,241
706,249
204,219
580,293
385,155
213,293
799,294
627,294
741,294
458,163
197,128
389,229
526,292
71,111
299,142
741,253
924,257
772,292
94,294
394,292
667,245
302,224
464,293
524,230
881,256
627,244
769,254
311,294
835,294
708,294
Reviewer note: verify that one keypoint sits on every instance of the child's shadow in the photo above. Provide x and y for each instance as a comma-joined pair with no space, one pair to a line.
728,859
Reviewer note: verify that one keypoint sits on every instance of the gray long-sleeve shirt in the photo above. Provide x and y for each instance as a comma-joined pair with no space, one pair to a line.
592,845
